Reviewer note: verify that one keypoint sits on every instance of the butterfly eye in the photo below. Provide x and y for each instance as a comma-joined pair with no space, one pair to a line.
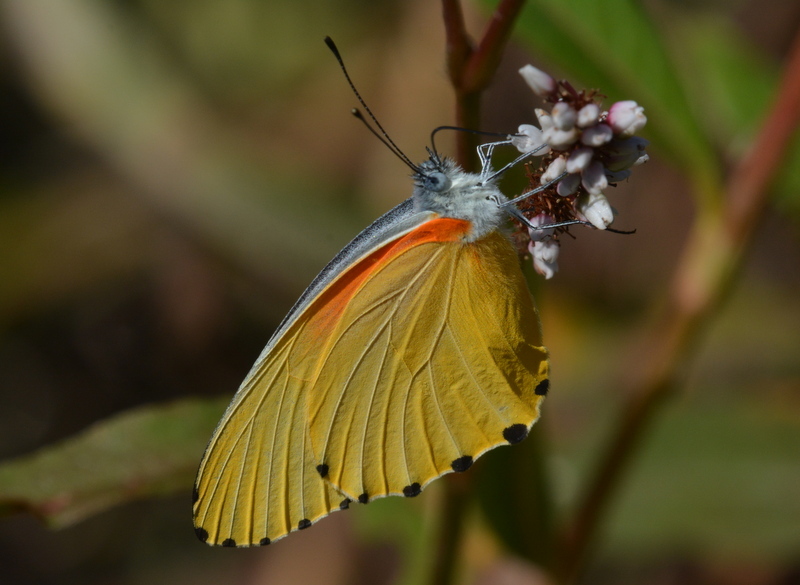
437,181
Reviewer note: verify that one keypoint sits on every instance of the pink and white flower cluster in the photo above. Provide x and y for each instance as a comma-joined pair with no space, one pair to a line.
584,150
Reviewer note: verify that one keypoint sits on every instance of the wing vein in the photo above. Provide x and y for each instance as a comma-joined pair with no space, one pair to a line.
439,407
498,325
346,384
369,412
240,481
239,398
428,442
268,488
286,471
224,466
225,460
480,388
445,313
358,362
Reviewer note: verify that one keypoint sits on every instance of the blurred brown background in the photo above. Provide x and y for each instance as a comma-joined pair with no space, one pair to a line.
172,175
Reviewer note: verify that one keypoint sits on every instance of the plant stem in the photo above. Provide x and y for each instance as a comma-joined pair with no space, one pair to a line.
711,260
459,51
471,69
486,59
458,46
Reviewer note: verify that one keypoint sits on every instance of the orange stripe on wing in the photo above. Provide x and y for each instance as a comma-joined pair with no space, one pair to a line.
326,309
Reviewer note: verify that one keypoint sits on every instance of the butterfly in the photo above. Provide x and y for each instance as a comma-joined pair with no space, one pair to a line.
417,349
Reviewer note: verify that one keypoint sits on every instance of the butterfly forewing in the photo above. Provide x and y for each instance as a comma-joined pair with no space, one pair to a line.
433,362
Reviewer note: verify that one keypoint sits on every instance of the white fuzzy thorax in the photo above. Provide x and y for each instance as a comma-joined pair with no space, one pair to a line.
468,196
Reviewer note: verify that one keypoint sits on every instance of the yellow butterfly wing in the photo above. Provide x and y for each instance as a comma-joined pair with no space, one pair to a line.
435,358
415,360
257,481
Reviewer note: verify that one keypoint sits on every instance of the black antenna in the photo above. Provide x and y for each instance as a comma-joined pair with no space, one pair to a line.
359,116
433,154
383,136
460,129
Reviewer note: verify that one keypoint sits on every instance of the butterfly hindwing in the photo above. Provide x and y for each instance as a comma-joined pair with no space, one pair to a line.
257,480
436,358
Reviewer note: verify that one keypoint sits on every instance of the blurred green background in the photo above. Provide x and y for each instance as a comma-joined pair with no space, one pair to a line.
173,174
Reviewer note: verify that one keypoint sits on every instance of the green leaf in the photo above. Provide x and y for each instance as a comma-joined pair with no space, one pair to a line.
614,46
739,85
145,452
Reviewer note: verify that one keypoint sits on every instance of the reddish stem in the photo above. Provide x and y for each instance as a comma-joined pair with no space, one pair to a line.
458,46
751,179
472,69
709,264
486,58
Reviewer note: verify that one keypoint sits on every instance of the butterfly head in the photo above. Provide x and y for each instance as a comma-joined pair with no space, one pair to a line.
441,186
435,175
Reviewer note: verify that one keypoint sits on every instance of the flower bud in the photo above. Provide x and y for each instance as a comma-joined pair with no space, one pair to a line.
579,159
588,115
626,118
620,154
528,139
560,139
616,176
564,116
539,81
568,185
543,233
545,257
594,179
555,170
596,209
597,135
545,120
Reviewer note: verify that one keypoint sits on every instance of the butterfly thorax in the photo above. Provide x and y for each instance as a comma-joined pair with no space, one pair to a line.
442,187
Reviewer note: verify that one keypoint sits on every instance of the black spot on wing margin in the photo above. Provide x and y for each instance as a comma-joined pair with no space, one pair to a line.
515,433
412,490
542,388
462,463
202,534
